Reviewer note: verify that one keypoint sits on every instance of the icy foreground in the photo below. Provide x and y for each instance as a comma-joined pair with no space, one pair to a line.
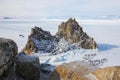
106,34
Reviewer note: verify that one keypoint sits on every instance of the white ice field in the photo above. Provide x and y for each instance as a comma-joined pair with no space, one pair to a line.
105,32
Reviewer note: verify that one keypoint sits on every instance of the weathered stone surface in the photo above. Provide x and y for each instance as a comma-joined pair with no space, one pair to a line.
28,67
40,41
11,74
24,68
83,71
108,73
46,70
29,47
73,33
8,50
72,71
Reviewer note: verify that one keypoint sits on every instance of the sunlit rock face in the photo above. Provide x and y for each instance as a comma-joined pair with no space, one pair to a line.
72,71
73,33
108,73
83,71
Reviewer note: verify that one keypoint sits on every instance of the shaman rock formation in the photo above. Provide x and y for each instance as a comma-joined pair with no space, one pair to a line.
41,41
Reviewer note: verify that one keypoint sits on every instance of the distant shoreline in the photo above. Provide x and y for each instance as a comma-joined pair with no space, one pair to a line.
60,20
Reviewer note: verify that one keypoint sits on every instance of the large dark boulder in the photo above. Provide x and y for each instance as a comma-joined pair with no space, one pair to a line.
24,68
28,67
8,50
73,33
15,66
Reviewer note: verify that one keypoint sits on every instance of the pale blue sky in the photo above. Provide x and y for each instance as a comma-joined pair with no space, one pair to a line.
46,8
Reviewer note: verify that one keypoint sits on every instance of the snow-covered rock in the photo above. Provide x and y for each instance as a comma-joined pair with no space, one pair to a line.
64,46
69,35
40,41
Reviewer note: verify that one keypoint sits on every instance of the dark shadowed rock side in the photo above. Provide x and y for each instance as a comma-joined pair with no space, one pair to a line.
73,33
40,41
46,70
15,66
8,50
27,67
23,68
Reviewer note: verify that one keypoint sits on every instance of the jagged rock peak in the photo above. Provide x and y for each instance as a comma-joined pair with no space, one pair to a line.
39,33
40,41
73,33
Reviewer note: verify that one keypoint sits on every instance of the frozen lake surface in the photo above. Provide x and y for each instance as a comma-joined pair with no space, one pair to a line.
105,32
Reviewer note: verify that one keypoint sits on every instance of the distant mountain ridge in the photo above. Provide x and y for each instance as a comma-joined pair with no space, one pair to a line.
103,17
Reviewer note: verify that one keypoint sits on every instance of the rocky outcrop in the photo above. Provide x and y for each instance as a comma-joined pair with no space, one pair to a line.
73,33
64,46
72,71
29,47
83,71
108,73
8,50
40,41
28,67
24,68
15,66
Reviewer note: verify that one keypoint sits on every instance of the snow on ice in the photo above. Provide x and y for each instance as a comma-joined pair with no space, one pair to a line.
105,32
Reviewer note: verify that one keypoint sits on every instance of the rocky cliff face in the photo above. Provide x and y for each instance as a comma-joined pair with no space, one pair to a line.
73,33
8,50
40,41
